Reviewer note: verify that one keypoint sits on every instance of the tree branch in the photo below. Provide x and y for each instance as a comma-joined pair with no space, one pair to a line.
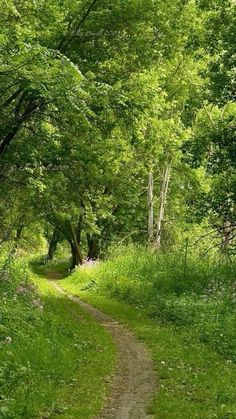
66,42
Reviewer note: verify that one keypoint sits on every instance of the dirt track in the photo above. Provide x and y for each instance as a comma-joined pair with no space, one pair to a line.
134,382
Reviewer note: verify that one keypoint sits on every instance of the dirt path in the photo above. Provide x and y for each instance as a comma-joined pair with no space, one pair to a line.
134,382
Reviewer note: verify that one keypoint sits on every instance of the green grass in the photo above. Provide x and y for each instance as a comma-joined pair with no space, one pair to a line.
188,323
58,360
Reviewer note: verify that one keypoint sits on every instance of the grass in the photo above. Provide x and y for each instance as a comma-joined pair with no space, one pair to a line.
54,359
186,315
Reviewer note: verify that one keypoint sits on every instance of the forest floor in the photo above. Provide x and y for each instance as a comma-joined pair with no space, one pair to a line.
133,383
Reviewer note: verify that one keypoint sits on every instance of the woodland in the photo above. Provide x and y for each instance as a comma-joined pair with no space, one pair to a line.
100,102
117,180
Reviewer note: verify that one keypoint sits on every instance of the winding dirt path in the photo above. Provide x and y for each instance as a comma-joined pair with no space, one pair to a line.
133,383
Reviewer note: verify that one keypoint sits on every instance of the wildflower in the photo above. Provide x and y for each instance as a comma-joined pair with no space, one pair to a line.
8,340
37,304
90,262
22,290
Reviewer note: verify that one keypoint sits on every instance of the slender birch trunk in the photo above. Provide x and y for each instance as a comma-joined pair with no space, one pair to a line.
150,208
162,202
228,233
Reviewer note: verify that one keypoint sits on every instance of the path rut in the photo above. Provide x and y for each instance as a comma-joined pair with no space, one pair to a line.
133,383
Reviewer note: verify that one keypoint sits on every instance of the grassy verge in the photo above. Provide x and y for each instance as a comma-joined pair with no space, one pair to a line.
188,324
54,359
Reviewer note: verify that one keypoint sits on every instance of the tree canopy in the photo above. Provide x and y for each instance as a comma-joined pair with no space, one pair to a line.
97,98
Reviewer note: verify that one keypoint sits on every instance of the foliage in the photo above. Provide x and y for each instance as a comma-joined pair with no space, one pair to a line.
89,105
213,145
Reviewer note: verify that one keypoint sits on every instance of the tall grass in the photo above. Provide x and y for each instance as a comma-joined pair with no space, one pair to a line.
152,274
198,294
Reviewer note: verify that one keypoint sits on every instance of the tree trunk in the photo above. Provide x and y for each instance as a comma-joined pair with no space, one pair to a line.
162,202
150,207
53,244
77,257
93,247
17,239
